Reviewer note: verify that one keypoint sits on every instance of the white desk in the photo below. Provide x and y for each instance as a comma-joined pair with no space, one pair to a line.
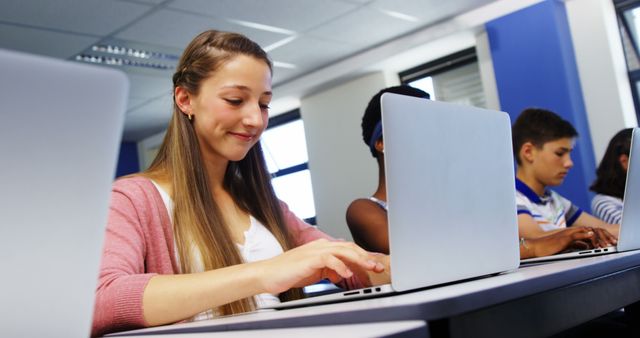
532,301
405,329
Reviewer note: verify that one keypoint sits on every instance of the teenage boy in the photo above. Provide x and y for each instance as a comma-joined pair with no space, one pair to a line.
542,145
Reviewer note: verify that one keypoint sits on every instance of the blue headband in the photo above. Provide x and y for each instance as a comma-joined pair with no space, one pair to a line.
377,133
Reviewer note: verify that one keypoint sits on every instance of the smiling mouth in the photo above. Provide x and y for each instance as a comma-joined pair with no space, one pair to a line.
243,137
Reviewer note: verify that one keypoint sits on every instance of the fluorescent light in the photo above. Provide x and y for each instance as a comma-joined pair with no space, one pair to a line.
263,27
117,61
284,65
399,15
132,52
279,43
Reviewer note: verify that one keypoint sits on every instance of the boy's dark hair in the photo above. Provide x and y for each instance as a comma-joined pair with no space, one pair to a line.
539,126
610,176
373,112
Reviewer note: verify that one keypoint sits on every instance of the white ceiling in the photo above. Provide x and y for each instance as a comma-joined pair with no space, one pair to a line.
304,36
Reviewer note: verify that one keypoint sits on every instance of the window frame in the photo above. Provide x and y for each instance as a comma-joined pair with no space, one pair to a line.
441,65
622,6
279,120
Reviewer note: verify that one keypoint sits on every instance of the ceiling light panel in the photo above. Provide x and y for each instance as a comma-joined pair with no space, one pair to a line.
150,2
133,52
311,52
399,15
263,27
39,41
379,27
89,17
279,64
428,11
176,29
296,15
122,62
278,44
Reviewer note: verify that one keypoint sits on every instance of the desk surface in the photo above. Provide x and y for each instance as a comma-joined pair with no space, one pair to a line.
557,296
405,329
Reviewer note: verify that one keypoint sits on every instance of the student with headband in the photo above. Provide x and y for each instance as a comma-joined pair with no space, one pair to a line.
367,217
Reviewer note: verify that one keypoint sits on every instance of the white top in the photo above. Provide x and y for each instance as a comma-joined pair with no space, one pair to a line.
607,208
259,244
550,211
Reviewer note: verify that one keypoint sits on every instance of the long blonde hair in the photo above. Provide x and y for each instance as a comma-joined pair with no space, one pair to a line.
197,219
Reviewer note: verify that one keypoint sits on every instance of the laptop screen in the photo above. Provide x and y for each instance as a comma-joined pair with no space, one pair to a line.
59,136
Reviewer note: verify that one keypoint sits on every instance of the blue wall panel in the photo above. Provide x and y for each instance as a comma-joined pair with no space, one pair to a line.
128,159
535,66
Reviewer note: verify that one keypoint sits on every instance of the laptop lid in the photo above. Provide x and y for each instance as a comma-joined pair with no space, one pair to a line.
629,238
446,221
450,191
60,129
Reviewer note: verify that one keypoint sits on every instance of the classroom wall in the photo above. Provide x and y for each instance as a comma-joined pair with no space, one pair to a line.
535,66
487,74
602,69
342,169
148,148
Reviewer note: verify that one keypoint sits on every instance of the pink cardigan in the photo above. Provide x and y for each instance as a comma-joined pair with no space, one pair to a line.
139,244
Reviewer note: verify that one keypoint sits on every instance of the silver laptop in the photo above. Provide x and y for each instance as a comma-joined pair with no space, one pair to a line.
60,129
451,195
629,238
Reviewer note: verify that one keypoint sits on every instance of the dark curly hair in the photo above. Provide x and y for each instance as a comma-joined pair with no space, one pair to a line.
373,113
610,176
539,126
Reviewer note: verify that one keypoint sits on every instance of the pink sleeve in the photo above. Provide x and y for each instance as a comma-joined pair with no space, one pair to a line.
303,233
122,277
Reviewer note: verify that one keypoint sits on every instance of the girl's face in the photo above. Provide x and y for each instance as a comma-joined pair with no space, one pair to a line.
230,111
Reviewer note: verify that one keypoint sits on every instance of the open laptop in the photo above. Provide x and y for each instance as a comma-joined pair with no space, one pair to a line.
60,130
629,237
450,194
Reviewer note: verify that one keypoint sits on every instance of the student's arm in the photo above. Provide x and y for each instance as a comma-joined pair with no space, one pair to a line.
368,225
171,298
555,242
128,296
607,208
608,233
529,228
302,233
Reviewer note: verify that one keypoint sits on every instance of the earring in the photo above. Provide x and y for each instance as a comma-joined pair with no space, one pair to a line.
190,116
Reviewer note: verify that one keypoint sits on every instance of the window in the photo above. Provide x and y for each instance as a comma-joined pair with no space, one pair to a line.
454,78
285,151
629,25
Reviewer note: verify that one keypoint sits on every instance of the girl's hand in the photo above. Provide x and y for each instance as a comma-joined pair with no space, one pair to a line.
312,262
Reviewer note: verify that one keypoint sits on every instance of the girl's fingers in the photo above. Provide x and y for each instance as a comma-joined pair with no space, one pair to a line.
365,255
335,264
347,254
346,251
